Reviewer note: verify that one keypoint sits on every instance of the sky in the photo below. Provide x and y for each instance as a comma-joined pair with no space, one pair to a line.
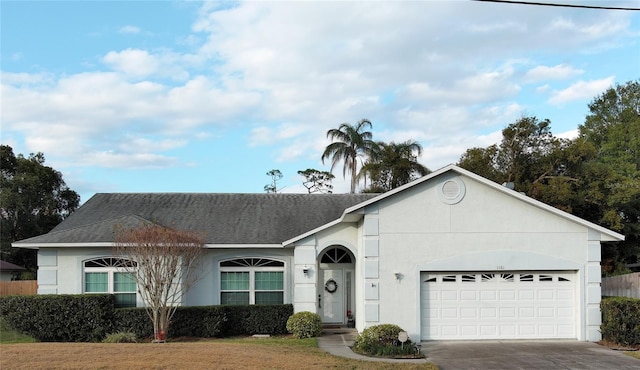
187,96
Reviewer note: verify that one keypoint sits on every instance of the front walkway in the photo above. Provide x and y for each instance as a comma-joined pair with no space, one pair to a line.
338,342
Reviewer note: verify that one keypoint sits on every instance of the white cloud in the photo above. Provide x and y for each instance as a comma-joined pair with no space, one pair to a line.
581,90
132,62
129,29
557,72
282,73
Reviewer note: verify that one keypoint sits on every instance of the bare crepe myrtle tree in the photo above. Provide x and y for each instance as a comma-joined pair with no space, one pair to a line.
167,264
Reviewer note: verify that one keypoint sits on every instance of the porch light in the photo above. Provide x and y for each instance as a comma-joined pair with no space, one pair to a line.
398,275
305,271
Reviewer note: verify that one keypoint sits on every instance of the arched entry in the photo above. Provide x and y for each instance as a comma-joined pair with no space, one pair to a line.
336,282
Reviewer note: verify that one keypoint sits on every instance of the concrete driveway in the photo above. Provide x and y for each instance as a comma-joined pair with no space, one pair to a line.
534,355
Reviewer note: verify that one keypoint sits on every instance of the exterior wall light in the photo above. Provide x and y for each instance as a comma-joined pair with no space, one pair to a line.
398,275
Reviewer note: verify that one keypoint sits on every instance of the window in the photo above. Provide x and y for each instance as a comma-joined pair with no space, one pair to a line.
336,255
251,281
108,275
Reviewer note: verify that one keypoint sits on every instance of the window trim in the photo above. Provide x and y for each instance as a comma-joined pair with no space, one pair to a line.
252,274
111,271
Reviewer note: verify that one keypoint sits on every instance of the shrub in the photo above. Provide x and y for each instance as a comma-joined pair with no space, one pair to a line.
304,324
133,320
90,317
198,321
257,319
60,318
120,337
382,340
209,321
620,320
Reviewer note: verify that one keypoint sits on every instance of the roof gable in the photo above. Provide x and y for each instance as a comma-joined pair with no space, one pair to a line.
604,233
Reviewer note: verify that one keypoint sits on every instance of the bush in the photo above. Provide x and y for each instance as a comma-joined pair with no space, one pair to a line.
304,325
620,320
89,317
257,319
133,320
209,321
60,318
198,321
382,341
120,337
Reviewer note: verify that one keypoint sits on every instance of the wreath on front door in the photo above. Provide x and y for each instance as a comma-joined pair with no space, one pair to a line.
331,286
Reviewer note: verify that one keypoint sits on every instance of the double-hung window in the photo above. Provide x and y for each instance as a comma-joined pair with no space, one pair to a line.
251,281
111,275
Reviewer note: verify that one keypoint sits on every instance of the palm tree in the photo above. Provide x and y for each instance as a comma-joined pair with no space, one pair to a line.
393,165
349,144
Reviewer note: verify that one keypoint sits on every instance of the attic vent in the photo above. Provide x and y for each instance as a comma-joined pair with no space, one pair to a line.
452,190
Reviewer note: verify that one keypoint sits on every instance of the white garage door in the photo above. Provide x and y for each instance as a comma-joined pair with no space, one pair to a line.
498,305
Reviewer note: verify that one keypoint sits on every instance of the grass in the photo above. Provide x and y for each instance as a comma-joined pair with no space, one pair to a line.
280,352
8,335
635,354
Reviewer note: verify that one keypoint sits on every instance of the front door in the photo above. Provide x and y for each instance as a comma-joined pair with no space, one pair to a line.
332,298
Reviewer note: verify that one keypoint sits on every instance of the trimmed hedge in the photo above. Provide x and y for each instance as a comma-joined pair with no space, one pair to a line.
91,317
620,320
210,321
256,319
60,318
201,321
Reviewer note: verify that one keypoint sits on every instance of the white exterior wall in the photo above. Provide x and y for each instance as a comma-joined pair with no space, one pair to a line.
60,271
486,231
306,254
206,291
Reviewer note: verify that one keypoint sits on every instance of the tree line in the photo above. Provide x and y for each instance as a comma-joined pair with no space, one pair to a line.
595,176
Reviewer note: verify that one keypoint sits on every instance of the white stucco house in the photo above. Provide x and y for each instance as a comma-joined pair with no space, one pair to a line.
450,256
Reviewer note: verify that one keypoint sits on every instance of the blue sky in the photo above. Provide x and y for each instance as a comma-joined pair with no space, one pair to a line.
173,96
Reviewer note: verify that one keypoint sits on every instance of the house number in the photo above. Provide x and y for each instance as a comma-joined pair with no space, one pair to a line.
500,267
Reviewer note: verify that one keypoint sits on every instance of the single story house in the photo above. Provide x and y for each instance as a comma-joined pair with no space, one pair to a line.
449,256
8,270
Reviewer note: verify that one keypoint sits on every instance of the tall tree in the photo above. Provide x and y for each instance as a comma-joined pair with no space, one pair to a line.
391,165
166,263
595,176
317,181
275,175
527,155
612,176
33,200
350,143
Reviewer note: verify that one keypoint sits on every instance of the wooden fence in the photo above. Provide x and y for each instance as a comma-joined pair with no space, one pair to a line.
21,287
622,286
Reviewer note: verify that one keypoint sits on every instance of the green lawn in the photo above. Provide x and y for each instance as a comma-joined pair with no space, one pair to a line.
8,335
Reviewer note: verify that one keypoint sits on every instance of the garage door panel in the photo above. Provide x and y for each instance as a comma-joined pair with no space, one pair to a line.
449,295
468,295
504,305
469,313
545,294
507,312
488,295
526,294
488,313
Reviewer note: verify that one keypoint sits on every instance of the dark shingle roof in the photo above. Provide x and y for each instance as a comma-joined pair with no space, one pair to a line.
224,218
8,266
